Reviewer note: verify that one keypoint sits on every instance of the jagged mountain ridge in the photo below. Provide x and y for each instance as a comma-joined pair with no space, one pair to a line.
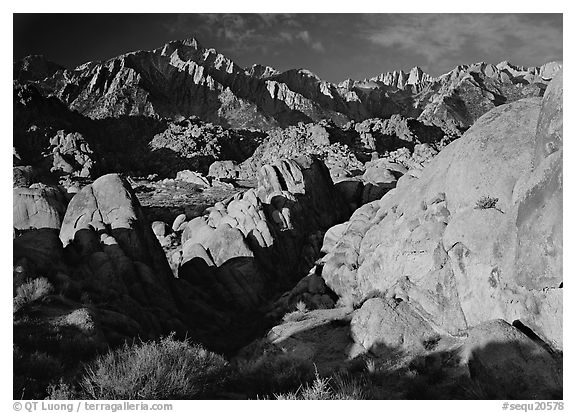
182,78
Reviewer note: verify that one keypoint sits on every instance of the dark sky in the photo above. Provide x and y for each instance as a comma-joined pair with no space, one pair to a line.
334,46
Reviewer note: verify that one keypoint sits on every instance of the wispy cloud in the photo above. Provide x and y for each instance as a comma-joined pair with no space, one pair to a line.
247,32
360,45
518,37
314,44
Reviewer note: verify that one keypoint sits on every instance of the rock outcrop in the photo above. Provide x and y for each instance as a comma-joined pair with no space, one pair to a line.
247,249
38,206
71,155
272,228
104,227
96,281
477,236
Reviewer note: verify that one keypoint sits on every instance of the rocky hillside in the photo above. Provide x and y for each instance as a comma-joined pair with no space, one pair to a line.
61,142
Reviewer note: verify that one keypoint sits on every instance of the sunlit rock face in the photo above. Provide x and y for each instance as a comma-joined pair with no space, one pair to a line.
478,235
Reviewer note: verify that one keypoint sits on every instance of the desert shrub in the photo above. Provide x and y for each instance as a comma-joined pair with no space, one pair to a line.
370,366
301,306
486,202
272,373
337,387
319,389
346,387
298,315
165,369
30,291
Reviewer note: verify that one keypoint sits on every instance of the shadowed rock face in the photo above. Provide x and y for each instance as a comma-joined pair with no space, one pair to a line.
109,207
108,275
107,278
35,67
505,361
432,242
61,143
247,249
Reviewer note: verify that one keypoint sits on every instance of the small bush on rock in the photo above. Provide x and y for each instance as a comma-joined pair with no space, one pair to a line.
486,202
297,315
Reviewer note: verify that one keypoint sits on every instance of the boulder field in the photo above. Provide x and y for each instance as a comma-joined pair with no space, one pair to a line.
101,259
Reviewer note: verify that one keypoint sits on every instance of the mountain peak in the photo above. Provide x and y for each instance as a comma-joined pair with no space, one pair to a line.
261,71
192,42
308,73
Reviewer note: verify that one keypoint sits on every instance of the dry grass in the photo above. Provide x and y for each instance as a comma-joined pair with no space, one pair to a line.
31,290
338,387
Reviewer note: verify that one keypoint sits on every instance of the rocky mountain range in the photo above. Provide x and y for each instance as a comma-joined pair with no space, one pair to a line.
183,79
282,220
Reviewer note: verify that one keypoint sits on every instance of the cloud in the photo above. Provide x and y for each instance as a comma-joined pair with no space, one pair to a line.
437,37
246,32
305,37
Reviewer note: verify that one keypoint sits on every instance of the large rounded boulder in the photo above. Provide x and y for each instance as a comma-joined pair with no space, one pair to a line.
38,206
477,236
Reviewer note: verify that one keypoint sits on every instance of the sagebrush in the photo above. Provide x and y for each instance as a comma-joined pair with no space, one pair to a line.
164,369
31,290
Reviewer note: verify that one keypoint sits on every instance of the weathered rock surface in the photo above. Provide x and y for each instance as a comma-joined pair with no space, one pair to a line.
310,290
429,242
192,178
382,326
39,206
224,169
320,336
72,155
467,92
106,278
23,176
